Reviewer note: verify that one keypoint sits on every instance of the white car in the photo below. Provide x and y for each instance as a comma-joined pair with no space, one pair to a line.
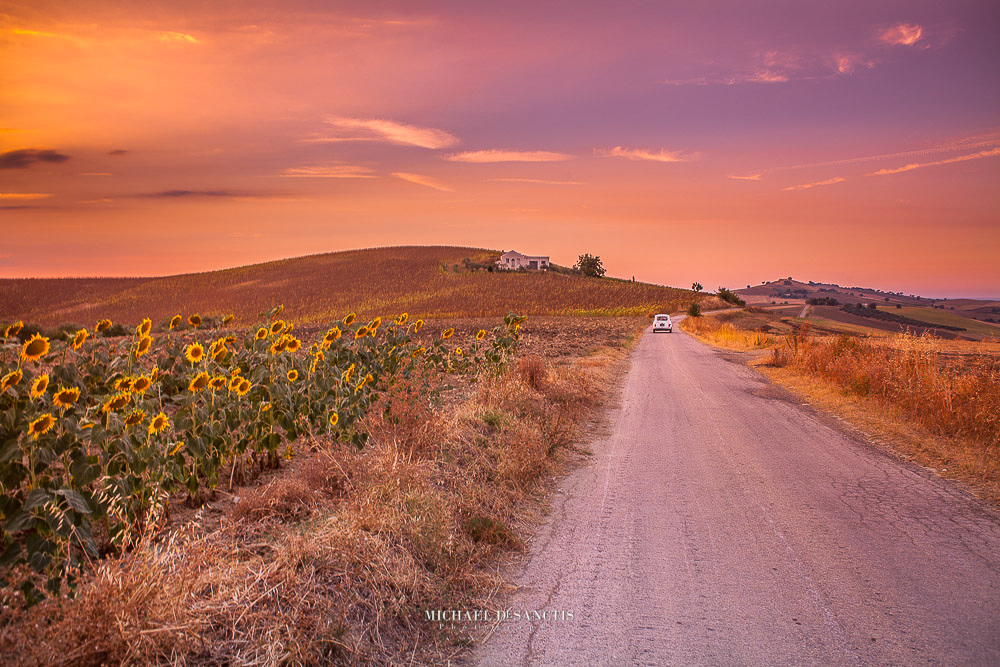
662,323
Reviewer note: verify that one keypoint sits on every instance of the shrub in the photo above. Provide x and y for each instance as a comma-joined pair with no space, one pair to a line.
694,310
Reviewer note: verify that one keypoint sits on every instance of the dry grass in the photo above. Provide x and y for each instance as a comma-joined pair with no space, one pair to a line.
319,288
938,401
725,334
337,557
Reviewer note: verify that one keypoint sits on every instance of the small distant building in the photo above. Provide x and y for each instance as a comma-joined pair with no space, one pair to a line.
513,261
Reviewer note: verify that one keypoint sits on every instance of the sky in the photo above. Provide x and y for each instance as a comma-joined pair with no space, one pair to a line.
720,142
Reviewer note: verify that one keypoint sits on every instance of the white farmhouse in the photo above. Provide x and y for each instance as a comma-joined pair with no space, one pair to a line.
513,260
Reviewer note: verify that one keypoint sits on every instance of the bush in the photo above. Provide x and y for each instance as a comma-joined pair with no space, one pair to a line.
694,310
730,296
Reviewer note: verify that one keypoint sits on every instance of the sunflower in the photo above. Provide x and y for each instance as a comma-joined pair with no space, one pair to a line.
401,320
227,319
349,320
458,351
175,322
154,374
332,335
244,387
142,347
446,334
10,379
230,340
365,380
375,324
141,384
36,348
102,325
288,329
220,353
293,344
279,345
480,334
334,418
178,447
261,333
79,338
198,382
218,382
265,407
13,329
116,402
194,352
417,352
279,310
216,346
234,383
292,375
158,424
289,452
134,418
144,327
315,362
41,425
194,320
39,386
65,398
277,327
123,384
361,333
417,325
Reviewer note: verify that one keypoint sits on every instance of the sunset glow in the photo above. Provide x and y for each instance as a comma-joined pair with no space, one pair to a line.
727,143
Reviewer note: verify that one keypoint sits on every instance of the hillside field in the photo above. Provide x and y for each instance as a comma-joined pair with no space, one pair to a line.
423,281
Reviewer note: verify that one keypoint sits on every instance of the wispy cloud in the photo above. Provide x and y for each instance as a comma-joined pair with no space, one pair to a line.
23,196
968,143
920,165
848,62
426,181
642,154
902,34
806,186
25,157
329,171
181,194
536,180
118,151
374,129
95,173
747,177
508,156
181,37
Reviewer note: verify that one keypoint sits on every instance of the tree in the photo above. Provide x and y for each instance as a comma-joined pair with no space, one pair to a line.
697,287
590,265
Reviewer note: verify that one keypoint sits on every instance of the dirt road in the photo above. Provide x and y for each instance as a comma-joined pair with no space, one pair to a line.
722,523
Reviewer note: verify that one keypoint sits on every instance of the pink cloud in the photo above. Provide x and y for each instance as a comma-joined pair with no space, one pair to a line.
374,129
425,181
902,34
508,156
920,165
642,154
806,186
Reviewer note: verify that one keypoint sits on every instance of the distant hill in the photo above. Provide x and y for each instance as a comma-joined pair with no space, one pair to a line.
966,318
424,281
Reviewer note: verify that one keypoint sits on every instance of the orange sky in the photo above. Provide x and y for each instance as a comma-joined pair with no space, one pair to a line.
718,143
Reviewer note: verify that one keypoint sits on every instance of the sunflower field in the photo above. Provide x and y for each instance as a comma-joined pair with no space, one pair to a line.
98,433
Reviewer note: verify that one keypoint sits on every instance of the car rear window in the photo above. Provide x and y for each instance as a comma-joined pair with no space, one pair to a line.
662,318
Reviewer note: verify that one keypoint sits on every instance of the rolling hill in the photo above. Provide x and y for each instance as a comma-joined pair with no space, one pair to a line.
424,281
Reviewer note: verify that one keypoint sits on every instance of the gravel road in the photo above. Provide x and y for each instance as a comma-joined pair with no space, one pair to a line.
722,523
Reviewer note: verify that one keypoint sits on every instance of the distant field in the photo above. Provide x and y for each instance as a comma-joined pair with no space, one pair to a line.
382,281
935,316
